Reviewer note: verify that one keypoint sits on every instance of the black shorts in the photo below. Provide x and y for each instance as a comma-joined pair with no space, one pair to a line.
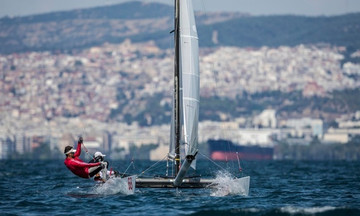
94,170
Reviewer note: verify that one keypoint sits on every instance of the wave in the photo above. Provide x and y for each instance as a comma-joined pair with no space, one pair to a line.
285,211
306,210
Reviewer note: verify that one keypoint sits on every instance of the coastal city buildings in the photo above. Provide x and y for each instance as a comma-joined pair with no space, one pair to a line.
53,97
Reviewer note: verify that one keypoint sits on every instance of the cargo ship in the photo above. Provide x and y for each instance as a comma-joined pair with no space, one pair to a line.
226,150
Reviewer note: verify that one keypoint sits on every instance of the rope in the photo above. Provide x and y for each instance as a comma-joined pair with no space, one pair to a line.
86,150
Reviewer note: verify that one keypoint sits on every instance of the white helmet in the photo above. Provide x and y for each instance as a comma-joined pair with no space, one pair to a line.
97,154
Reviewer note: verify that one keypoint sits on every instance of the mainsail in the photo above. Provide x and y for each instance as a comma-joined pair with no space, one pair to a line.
189,70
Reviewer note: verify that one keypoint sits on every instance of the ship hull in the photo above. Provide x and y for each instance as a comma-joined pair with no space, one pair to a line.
223,150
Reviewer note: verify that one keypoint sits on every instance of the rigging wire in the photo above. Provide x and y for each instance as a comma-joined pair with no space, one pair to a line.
86,150
213,161
152,166
83,144
127,168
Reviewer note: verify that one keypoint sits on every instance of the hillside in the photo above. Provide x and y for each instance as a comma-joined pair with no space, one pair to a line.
127,10
287,30
77,29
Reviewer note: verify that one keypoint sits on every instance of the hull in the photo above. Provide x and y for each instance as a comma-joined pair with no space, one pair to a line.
169,183
130,182
233,186
226,150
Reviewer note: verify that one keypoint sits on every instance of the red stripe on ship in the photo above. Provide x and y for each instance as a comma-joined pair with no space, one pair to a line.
223,156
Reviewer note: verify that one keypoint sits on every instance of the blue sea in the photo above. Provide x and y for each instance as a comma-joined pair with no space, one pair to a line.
276,188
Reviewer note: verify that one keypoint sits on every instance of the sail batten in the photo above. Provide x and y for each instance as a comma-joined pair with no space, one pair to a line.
191,99
189,36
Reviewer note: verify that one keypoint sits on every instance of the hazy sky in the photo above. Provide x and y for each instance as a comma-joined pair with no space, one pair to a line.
255,7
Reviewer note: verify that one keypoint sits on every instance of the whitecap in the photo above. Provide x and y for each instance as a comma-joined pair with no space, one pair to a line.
306,210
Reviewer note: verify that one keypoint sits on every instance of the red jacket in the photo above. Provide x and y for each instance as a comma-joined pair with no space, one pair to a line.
77,166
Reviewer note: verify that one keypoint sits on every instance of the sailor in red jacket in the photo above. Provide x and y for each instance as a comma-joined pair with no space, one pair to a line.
77,166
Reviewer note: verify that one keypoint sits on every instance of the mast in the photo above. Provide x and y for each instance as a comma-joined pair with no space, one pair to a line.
177,86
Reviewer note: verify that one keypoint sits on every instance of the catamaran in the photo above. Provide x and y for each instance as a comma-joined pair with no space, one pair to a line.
185,111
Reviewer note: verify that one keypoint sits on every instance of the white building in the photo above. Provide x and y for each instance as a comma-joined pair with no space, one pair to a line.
336,138
316,125
267,119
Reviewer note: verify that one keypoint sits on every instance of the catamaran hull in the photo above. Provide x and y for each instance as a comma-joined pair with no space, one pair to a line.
169,183
233,186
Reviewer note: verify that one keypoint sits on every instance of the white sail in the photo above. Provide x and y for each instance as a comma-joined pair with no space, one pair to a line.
189,70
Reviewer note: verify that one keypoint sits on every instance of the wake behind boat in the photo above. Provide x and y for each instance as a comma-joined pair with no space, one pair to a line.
185,111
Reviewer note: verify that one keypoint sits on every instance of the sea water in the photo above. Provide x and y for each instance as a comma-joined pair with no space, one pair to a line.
276,188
